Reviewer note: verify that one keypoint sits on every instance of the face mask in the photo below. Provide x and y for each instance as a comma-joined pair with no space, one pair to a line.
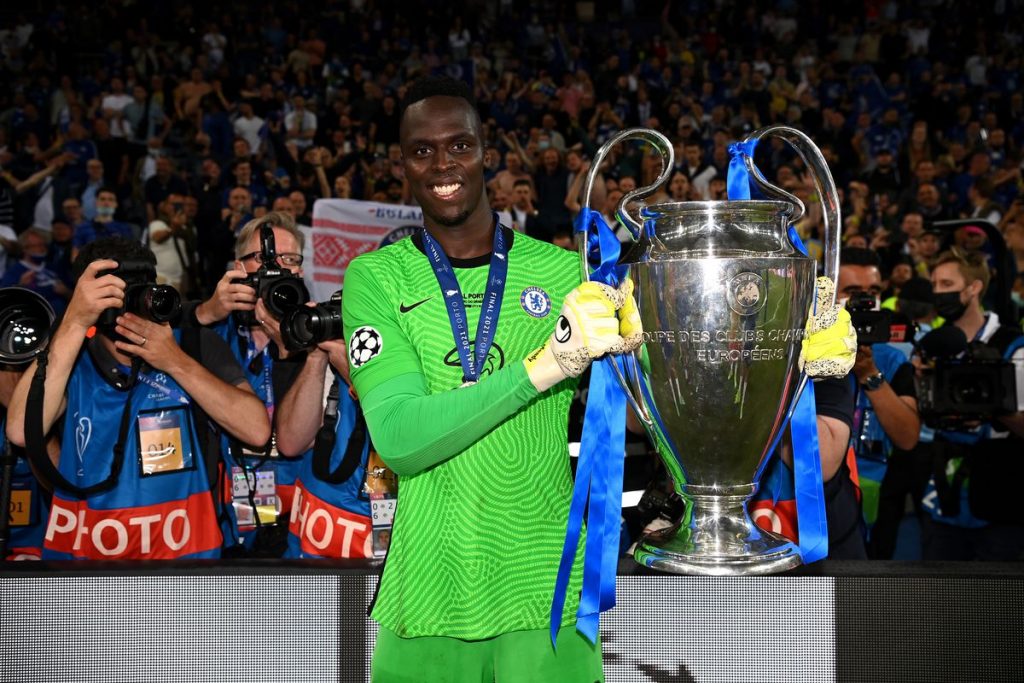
949,306
36,258
1018,299
105,211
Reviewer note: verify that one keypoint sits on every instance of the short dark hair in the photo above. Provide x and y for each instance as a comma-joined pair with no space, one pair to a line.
522,181
436,86
108,189
117,249
857,256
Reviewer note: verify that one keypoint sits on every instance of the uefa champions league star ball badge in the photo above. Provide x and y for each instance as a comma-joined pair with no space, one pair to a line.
535,301
364,344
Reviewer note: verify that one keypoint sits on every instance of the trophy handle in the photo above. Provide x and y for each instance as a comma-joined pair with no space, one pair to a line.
656,140
823,184
635,227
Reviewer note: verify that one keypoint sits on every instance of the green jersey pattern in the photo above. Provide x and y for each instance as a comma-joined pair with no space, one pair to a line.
477,538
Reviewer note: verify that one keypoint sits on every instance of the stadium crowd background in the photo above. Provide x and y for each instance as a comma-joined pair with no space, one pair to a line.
192,118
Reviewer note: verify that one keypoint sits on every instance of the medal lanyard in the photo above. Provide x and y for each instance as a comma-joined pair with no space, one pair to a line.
471,356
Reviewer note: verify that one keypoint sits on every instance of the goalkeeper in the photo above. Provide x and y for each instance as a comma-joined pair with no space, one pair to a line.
464,343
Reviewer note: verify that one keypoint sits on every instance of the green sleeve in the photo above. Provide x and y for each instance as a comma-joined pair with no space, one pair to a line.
413,430
367,308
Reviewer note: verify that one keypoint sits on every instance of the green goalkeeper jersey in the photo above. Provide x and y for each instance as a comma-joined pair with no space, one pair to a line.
477,538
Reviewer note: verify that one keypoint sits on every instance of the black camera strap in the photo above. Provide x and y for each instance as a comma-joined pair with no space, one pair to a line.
35,437
327,436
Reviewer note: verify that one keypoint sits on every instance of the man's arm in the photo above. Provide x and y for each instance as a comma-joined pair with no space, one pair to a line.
833,440
414,429
300,413
896,412
92,296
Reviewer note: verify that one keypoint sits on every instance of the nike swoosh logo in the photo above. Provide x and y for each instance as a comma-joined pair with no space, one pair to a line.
402,308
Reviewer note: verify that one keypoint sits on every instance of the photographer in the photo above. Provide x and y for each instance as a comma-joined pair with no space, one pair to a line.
241,318
128,391
886,399
336,483
972,510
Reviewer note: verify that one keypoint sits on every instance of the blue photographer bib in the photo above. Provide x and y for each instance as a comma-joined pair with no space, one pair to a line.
333,520
161,506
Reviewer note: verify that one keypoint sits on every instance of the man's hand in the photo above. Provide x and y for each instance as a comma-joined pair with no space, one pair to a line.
337,355
271,326
229,296
94,294
830,348
865,366
587,328
150,341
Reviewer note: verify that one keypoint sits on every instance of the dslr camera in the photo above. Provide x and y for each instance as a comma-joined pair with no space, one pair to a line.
876,326
279,288
307,326
966,382
142,296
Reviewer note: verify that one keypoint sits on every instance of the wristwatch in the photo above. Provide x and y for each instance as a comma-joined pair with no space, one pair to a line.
873,381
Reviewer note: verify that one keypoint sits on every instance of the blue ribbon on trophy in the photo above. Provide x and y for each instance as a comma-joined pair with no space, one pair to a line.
807,477
599,468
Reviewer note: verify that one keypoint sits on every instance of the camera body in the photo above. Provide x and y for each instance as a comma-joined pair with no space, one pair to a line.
876,326
305,326
279,288
144,298
967,383
956,392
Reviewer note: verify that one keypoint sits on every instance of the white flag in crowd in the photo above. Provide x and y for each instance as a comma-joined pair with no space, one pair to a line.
345,228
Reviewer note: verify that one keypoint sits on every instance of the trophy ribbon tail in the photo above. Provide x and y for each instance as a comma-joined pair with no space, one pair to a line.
599,470
810,496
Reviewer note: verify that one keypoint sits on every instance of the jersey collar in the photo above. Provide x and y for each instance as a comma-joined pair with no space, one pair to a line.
476,261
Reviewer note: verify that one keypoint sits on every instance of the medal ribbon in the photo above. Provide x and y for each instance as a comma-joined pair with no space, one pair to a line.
473,357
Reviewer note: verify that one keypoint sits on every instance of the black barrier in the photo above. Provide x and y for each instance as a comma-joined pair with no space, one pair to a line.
306,621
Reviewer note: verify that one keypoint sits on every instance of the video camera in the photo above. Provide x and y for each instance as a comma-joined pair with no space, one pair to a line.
280,289
142,296
26,320
877,326
966,382
307,326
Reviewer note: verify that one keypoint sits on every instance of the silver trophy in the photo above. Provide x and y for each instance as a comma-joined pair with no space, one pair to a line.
724,299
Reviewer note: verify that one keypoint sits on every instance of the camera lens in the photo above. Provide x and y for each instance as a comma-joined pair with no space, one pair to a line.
25,321
283,295
162,303
972,390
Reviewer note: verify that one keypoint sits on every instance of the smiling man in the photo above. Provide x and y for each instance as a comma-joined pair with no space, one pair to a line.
479,442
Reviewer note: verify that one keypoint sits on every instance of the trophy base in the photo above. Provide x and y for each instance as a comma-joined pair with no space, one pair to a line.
721,540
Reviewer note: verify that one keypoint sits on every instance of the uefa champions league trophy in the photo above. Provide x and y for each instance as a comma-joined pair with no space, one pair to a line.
724,298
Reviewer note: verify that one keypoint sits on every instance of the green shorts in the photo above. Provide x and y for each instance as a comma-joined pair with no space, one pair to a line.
518,657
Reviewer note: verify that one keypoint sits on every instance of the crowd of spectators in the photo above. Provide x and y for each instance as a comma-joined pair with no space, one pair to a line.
179,122
234,108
